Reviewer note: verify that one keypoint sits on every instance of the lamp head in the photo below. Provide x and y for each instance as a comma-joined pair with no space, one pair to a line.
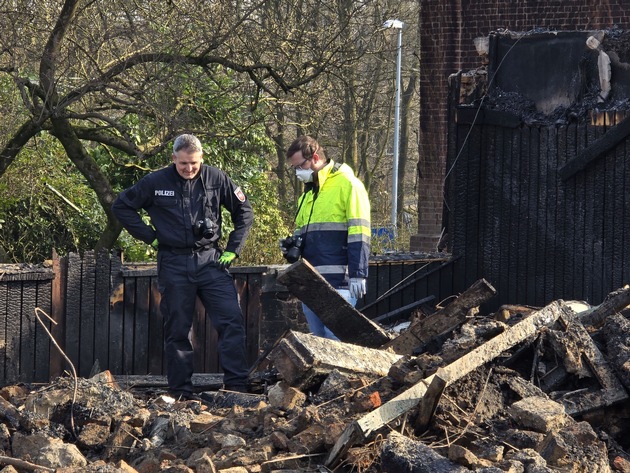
397,24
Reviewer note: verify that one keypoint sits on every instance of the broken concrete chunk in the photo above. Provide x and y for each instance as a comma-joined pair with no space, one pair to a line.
575,447
285,397
538,413
401,453
47,451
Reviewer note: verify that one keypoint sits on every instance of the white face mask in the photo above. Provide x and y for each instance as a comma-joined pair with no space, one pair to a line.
304,175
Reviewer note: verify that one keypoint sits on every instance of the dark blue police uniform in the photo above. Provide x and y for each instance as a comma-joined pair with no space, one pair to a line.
187,255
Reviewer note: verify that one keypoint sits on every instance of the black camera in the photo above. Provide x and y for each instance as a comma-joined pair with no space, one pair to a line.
292,248
205,228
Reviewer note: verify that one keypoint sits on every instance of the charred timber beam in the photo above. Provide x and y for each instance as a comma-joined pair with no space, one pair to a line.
303,359
361,429
347,323
614,302
444,320
599,147
611,392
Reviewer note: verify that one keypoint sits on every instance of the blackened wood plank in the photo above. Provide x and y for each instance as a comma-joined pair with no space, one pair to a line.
348,324
408,294
14,314
621,216
433,282
4,318
254,314
599,222
580,224
88,278
28,330
552,253
102,290
141,326
58,329
486,199
542,173
524,217
156,332
457,175
396,276
532,244
473,186
513,216
116,316
72,343
588,197
128,323
570,222
548,182
42,340
500,275
491,247
384,284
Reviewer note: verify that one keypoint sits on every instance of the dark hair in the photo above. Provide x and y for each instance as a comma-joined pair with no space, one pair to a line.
308,146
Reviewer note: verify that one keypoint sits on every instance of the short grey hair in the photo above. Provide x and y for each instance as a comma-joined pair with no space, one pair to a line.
187,142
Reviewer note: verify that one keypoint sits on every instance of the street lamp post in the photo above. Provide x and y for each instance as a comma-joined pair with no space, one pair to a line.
396,24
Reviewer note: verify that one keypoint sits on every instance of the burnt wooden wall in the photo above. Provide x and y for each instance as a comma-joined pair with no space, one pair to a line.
516,222
104,313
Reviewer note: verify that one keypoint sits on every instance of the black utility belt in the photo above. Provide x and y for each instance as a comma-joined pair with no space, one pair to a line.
186,250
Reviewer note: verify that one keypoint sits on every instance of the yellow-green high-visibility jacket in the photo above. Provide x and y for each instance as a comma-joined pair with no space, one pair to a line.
334,220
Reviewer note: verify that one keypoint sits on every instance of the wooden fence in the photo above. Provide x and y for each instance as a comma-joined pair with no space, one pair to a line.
104,313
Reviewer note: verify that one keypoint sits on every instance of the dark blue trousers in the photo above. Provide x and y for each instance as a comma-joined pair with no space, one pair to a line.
181,279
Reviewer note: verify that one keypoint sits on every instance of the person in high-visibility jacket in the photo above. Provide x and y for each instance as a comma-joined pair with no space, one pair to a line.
333,222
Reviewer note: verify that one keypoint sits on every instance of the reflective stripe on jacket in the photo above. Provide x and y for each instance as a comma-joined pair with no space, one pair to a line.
336,221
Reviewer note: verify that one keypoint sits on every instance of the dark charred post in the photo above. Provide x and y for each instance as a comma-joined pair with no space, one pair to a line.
128,317
57,329
101,306
116,312
614,302
86,314
429,403
141,326
156,331
12,334
72,343
347,323
442,321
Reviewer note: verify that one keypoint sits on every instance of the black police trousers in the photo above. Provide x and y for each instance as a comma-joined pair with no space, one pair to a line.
181,278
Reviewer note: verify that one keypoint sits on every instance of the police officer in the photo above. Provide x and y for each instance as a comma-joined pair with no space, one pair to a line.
332,224
184,203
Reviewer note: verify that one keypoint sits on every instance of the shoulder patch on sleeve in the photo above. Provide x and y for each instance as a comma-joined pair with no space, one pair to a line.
240,195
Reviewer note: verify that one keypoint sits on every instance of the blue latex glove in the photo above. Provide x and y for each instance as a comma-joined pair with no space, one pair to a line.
226,259
357,287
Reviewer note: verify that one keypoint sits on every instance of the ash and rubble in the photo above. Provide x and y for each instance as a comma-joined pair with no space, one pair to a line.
544,404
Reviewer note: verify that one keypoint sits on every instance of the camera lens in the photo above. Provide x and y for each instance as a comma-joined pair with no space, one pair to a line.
293,254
